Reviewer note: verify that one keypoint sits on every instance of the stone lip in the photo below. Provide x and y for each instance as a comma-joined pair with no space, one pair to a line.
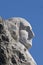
12,51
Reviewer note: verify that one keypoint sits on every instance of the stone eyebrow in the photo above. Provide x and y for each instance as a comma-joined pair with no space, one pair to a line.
24,27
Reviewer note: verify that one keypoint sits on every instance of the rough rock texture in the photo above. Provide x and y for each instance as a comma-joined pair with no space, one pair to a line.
15,40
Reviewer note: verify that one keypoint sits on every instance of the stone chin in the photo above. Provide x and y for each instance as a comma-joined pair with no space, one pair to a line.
28,44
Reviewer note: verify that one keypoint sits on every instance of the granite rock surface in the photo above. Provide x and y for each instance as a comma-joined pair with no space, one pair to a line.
15,40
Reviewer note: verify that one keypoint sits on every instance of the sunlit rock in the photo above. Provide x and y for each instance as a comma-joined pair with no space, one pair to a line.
15,40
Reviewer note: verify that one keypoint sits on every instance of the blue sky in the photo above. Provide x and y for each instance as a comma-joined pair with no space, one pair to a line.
32,10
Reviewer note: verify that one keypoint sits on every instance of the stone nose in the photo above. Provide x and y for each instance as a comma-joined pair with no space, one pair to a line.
31,34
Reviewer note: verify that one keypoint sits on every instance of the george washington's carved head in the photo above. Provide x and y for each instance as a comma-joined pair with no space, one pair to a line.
15,36
21,29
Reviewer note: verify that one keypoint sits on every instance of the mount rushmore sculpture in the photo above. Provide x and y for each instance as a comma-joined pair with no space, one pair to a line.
16,36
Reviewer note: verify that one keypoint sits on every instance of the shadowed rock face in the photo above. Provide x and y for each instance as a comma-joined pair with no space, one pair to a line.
13,51
3,38
1,28
2,57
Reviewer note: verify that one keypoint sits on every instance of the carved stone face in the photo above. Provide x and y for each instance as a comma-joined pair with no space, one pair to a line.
21,29
26,33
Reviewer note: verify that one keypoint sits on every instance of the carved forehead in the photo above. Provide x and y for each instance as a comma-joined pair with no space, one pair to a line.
18,20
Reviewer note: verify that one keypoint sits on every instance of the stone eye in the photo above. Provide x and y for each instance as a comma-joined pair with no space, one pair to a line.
21,26
27,28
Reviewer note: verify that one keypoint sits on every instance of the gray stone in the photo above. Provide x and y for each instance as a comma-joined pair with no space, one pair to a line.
15,40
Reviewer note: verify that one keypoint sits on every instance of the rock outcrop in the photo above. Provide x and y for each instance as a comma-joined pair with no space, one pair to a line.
15,40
